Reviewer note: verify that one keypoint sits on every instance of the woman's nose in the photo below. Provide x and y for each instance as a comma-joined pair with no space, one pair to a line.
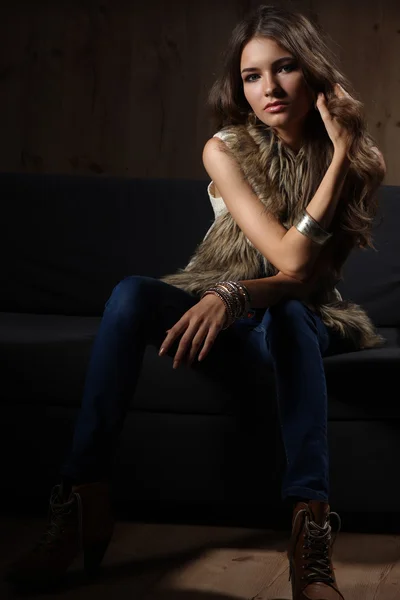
271,86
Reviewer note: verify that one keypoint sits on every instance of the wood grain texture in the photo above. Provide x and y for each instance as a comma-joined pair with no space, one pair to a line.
148,561
119,87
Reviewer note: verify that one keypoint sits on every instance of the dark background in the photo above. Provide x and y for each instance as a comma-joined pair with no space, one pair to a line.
118,87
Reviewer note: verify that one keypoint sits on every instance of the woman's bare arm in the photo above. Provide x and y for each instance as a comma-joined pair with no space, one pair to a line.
268,291
290,251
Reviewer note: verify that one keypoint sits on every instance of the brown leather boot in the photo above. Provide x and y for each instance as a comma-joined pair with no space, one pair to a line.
310,553
82,523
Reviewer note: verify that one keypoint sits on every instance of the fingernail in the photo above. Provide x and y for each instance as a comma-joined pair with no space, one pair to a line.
162,350
175,365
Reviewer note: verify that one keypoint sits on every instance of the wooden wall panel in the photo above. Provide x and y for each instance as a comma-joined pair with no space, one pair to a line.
119,87
367,40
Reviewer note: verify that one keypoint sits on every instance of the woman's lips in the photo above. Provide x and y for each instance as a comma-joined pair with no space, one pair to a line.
276,108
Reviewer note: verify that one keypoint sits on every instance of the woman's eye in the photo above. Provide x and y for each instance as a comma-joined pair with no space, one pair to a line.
248,77
291,67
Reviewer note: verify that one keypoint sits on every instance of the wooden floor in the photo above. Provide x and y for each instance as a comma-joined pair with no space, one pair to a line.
180,562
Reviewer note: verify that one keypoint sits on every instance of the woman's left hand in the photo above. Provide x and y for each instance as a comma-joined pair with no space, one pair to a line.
339,135
201,323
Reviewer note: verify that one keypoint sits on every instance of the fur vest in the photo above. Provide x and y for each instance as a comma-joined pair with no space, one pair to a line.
226,253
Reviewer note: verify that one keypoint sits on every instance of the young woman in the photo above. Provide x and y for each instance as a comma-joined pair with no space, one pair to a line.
294,178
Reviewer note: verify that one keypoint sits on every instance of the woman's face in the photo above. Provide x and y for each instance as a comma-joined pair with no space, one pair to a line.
276,76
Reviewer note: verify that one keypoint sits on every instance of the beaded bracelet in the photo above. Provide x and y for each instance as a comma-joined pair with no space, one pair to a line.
241,294
233,293
230,314
235,296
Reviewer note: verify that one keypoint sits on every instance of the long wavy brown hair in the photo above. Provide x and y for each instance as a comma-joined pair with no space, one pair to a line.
307,42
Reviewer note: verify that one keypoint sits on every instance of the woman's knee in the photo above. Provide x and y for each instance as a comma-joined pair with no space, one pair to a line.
291,318
288,310
130,293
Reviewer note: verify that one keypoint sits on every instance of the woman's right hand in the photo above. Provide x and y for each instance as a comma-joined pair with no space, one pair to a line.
340,136
198,328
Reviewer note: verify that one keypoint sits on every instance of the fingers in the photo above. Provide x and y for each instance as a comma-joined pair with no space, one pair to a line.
321,106
209,342
196,344
190,343
340,91
320,100
172,334
194,326
183,347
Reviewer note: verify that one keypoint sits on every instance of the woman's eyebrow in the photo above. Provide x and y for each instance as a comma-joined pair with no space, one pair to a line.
279,60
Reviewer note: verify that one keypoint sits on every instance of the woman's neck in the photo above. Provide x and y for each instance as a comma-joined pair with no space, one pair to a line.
295,143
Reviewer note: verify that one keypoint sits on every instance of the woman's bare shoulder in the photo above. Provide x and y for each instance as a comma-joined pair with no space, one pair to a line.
212,148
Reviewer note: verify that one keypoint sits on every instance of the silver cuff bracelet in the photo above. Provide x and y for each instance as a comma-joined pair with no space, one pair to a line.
310,228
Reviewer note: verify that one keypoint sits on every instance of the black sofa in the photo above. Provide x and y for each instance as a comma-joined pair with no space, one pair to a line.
203,445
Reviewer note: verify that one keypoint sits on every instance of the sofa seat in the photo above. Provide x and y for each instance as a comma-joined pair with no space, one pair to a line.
193,442
63,344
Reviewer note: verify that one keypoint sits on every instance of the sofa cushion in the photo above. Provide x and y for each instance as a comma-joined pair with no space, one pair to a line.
372,278
71,239
45,358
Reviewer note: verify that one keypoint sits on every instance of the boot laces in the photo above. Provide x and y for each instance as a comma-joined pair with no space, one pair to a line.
317,540
58,511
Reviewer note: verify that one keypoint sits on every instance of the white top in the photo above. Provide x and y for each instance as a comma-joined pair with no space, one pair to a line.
216,201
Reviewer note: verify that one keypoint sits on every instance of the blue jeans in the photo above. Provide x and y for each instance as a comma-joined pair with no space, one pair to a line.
288,338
